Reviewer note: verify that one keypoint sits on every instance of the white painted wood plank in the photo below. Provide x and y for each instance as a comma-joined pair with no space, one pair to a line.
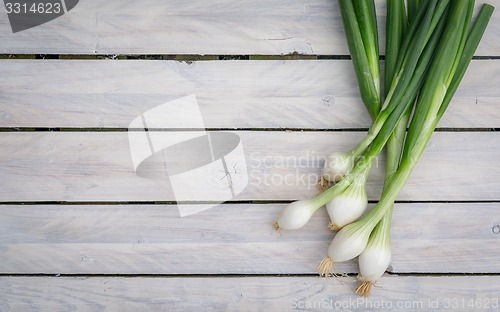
198,27
97,166
232,238
444,238
320,94
232,94
395,293
227,239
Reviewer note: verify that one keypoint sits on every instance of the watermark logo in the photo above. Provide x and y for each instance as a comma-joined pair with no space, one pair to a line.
26,14
198,166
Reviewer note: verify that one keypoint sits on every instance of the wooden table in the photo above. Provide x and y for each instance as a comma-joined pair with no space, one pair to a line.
80,230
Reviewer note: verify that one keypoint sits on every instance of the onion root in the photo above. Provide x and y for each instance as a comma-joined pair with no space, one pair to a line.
364,288
325,267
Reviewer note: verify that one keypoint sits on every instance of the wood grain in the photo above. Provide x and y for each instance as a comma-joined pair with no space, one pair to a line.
400,293
97,166
232,239
321,94
147,239
198,27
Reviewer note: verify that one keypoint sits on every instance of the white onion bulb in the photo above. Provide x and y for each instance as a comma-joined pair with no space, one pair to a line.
296,215
337,165
347,244
373,262
376,257
348,206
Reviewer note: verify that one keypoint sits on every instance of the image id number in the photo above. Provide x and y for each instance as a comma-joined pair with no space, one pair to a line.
472,303
36,8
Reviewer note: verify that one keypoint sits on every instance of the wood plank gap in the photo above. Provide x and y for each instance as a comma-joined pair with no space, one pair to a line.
240,202
233,275
236,202
440,274
197,57
95,129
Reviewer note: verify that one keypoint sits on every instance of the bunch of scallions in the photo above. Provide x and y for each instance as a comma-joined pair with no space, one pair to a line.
429,45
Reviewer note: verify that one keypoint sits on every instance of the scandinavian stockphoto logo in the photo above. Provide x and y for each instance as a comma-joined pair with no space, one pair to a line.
192,164
26,14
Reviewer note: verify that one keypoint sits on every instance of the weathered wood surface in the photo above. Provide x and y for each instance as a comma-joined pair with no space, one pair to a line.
395,293
320,94
446,237
199,27
233,238
97,166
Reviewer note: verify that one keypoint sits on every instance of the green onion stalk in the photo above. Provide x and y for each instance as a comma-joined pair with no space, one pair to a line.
351,203
376,257
447,68
360,26
407,61
413,63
